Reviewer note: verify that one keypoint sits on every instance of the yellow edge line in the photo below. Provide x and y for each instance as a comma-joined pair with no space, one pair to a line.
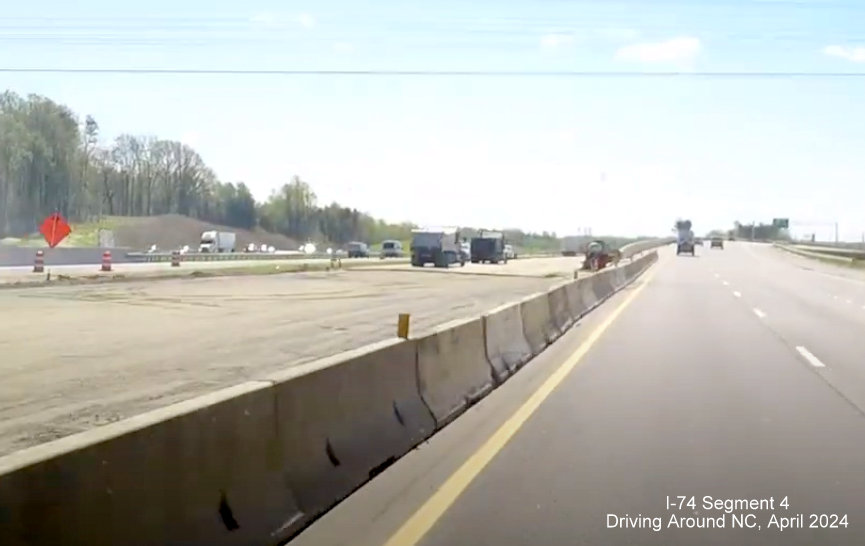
413,530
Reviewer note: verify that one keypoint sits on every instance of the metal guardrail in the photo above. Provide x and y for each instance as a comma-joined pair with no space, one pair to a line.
157,257
847,245
150,257
850,253
795,249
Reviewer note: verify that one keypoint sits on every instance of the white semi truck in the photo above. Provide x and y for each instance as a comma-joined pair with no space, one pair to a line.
217,241
572,245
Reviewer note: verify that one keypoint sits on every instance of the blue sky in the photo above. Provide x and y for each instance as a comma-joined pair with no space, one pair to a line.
619,155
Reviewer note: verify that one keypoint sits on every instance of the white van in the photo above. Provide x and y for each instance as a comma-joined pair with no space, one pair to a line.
391,249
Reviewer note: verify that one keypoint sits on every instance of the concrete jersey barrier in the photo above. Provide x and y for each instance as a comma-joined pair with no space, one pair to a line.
603,284
559,308
246,465
507,348
576,303
201,472
619,278
588,293
342,417
639,266
538,325
452,368
637,247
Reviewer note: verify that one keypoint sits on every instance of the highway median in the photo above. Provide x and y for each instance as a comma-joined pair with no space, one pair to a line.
258,462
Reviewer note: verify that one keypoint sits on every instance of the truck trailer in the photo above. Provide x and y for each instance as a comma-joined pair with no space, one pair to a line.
572,245
488,246
217,241
439,246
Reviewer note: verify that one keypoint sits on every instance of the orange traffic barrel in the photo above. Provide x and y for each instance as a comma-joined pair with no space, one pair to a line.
39,262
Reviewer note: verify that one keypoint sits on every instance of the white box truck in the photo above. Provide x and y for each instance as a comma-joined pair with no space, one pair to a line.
217,241
572,245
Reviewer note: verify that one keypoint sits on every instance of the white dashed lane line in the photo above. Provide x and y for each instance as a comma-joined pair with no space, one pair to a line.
737,293
812,360
759,313
726,283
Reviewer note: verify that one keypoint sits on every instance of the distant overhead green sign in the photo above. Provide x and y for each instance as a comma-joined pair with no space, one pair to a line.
782,223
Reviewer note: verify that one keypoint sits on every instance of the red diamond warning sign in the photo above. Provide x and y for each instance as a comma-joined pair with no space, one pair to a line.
54,229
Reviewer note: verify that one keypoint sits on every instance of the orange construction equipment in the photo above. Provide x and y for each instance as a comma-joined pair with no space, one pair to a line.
106,260
599,255
39,262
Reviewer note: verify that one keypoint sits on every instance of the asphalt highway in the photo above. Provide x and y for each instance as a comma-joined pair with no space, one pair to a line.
735,378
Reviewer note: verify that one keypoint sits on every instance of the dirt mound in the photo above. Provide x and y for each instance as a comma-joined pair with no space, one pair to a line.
172,231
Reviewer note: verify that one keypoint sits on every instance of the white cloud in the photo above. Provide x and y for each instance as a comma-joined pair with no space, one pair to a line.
677,49
343,47
306,20
556,40
854,54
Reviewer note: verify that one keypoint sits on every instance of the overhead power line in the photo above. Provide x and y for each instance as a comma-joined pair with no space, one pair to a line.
455,73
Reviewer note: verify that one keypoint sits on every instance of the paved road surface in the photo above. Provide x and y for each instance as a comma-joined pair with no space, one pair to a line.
734,375
78,356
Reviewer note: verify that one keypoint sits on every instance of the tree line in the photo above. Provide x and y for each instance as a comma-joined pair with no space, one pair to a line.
759,231
53,160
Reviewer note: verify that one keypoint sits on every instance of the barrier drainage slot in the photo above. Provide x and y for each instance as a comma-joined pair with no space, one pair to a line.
382,467
226,515
330,453
398,414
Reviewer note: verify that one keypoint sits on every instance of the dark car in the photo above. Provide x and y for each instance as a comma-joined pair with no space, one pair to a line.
358,250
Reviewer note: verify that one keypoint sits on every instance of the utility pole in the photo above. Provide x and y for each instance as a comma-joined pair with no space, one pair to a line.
836,233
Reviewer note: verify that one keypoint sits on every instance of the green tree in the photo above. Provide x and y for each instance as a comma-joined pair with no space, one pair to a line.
51,160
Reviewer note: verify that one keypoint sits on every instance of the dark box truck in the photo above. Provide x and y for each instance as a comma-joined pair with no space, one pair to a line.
440,247
488,246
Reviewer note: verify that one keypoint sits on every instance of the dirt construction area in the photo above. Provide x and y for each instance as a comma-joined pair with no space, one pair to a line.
77,357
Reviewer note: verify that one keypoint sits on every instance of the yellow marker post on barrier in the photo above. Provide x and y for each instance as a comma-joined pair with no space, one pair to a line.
402,325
